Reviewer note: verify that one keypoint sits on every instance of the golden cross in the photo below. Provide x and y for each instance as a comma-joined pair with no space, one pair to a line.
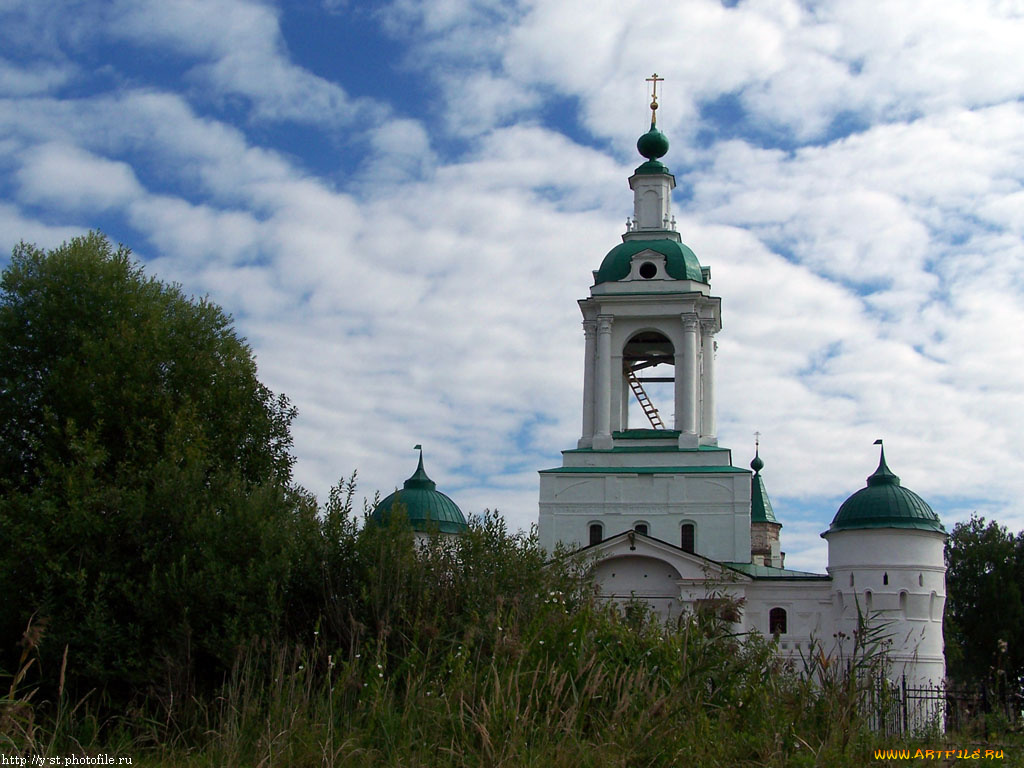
654,80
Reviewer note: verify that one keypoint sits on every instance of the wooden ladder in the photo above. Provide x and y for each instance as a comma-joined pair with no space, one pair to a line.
645,402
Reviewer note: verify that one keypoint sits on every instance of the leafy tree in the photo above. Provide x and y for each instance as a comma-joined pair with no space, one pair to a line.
985,603
146,506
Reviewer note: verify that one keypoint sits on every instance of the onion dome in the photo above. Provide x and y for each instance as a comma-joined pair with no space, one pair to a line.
760,505
680,262
426,508
652,145
884,503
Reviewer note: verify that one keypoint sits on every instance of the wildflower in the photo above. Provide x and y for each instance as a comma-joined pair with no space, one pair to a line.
542,642
380,674
301,666
499,629
357,655
379,667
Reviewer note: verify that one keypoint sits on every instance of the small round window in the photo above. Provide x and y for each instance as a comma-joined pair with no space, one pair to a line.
648,270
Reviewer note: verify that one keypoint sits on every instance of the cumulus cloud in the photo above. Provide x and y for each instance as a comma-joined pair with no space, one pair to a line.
67,177
39,77
872,280
238,50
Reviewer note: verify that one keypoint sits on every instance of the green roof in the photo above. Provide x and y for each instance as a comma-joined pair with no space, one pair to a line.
770,572
884,503
680,262
760,504
425,507
652,167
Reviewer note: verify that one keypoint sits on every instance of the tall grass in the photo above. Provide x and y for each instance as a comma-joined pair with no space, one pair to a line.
471,652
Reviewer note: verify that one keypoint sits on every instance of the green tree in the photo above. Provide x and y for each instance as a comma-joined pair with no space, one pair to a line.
985,603
146,505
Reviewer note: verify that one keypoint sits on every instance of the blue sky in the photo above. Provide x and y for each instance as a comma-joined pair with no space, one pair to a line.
401,202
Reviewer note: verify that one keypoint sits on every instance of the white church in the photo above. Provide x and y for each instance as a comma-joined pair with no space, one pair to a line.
662,509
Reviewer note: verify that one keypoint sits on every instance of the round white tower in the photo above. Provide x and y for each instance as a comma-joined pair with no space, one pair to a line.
885,557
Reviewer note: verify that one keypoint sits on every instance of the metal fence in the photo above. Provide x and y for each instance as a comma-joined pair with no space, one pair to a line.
899,708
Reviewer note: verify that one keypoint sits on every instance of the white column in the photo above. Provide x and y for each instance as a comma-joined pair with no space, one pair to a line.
686,378
707,383
603,383
627,394
589,335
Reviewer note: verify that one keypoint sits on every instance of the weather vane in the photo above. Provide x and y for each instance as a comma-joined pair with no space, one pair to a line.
654,80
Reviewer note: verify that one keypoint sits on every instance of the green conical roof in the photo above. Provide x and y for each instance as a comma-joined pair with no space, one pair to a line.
760,504
680,262
884,503
426,508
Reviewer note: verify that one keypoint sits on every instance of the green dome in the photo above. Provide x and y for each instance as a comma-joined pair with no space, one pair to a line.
653,144
884,503
680,262
425,507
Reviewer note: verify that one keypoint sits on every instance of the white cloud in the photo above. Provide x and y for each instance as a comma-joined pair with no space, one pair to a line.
69,178
872,286
239,51
17,226
39,77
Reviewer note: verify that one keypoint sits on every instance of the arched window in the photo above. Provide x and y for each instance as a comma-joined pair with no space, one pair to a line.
596,533
687,537
885,578
920,579
903,604
641,528
851,579
777,621
867,599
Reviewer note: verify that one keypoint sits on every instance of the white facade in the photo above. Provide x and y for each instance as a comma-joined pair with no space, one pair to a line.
661,507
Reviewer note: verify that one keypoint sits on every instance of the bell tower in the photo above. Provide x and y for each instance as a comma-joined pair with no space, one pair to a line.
649,325
650,306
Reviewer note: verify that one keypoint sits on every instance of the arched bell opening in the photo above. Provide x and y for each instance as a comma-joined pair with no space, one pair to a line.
648,372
